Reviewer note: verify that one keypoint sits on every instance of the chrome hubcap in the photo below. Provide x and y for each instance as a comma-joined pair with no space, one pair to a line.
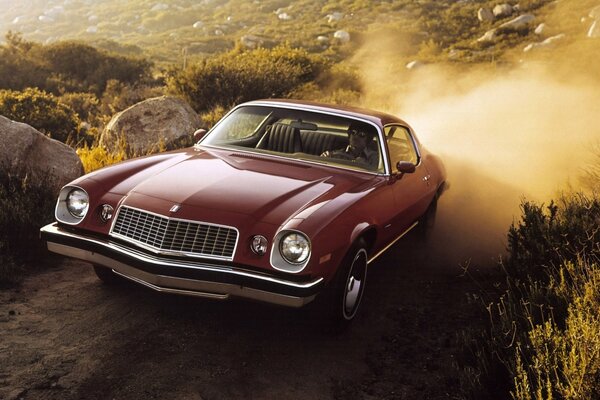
355,284
352,292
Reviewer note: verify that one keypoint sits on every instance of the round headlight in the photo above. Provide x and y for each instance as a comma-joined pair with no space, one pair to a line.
294,248
77,203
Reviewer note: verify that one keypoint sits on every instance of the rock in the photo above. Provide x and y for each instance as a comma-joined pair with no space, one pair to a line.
342,36
160,7
545,43
284,16
25,151
414,64
322,39
485,15
92,29
198,24
519,23
144,125
489,36
503,10
594,31
334,17
45,18
540,29
251,41
595,13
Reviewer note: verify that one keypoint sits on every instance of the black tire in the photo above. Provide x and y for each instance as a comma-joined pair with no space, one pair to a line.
348,287
427,222
106,275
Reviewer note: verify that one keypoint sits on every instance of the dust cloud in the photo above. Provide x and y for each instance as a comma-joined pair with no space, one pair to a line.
505,134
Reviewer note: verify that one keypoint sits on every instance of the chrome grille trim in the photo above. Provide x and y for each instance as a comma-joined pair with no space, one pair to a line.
174,236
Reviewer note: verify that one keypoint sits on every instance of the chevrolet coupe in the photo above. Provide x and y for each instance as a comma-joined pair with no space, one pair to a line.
282,201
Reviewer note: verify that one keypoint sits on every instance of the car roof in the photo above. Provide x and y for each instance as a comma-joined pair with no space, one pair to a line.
376,117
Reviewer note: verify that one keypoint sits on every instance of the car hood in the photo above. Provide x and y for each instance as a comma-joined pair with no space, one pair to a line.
264,188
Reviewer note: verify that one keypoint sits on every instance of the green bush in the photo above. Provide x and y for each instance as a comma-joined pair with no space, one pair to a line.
546,238
239,76
544,338
78,67
41,110
24,208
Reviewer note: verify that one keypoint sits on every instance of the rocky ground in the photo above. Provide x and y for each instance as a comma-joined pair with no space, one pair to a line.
64,335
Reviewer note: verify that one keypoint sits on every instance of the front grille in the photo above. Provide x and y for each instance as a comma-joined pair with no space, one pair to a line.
170,235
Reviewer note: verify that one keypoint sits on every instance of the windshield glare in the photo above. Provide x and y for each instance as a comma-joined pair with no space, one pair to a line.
299,134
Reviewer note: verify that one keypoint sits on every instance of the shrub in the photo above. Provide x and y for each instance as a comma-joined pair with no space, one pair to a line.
239,76
82,68
41,110
544,337
24,208
97,157
546,238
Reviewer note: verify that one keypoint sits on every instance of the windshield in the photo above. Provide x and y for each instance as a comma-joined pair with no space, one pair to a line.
299,134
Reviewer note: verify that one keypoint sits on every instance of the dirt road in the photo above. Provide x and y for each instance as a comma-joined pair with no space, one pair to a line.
64,335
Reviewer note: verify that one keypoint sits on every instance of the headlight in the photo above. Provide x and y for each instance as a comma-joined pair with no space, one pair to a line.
294,248
77,203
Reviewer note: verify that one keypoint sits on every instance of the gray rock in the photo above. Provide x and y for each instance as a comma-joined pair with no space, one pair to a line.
489,36
519,23
540,29
546,43
145,125
251,41
342,36
25,151
485,15
503,10
334,17
414,64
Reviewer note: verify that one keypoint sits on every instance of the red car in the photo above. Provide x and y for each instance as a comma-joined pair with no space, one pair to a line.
281,201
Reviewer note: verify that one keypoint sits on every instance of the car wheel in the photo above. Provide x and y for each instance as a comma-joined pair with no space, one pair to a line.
427,221
349,286
106,275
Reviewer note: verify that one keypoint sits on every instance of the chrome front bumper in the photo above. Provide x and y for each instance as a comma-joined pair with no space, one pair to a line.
180,276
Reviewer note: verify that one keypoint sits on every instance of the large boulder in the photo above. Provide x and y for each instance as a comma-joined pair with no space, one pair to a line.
149,125
26,152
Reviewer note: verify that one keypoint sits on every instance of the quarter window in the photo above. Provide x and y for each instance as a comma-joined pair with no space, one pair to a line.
400,145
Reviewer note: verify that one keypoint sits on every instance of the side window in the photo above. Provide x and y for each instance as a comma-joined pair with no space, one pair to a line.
400,145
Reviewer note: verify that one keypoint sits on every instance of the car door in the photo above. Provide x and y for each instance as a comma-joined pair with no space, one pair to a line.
411,190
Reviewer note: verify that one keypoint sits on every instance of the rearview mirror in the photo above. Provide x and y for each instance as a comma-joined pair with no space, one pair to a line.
405,167
199,134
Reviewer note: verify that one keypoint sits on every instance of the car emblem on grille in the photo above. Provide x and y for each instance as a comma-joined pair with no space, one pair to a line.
175,208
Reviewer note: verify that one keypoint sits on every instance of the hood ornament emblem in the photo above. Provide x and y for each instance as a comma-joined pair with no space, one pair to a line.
175,208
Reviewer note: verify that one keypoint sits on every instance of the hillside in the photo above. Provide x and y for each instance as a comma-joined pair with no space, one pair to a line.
174,30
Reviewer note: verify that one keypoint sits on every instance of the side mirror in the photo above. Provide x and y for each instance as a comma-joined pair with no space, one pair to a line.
199,134
405,167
